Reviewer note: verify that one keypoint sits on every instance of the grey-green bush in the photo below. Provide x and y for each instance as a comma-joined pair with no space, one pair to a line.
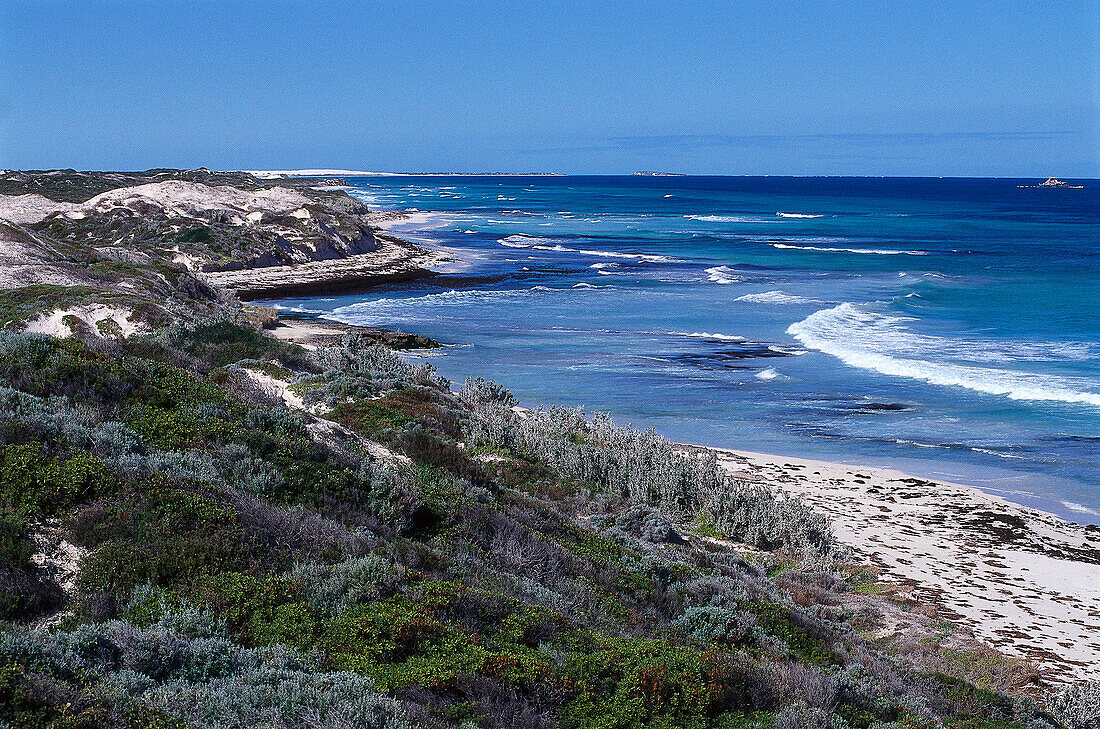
1078,706
647,469
202,677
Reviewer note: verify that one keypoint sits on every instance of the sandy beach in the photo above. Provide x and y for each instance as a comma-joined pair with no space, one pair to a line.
1023,580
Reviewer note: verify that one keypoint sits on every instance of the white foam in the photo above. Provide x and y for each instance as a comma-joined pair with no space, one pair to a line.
775,297
710,335
883,344
769,374
635,256
544,244
722,275
730,219
1081,508
873,251
297,309
799,215
518,241
999,454
450,298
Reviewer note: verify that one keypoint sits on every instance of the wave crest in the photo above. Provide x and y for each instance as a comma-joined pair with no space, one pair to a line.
549,244
730,219
710,335
775,297
722,275
874,251
883,344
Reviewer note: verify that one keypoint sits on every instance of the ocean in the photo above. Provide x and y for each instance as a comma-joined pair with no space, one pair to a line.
946,327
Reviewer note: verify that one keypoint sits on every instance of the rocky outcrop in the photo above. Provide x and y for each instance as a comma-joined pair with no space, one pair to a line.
392,260
1055,182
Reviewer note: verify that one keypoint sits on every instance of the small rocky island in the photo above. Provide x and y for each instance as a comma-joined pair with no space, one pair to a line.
1055,182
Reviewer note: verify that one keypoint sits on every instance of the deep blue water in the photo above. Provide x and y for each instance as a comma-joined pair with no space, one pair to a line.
948,327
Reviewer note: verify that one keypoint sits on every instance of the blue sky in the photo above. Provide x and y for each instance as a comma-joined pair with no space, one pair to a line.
893,88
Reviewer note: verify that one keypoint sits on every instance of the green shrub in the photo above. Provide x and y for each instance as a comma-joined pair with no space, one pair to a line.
335,589
1077,706
16,546
778,620
635,682
162,535
261,610
117,675
399,642
33,481
219,343
369,418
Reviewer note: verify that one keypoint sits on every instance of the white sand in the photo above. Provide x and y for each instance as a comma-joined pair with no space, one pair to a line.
25,260
278,388
321,427
187,261
301,332
31,208
60,559
1023,580
53,322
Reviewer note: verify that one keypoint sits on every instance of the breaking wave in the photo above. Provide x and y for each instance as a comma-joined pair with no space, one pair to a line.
1080,508
544,244
776,297
799,215
875,251
451,298
722,275
730,218
882,343
709,335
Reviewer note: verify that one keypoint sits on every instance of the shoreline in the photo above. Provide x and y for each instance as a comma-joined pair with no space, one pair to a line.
1023,580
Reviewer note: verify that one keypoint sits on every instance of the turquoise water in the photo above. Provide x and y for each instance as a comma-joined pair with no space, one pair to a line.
950,328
